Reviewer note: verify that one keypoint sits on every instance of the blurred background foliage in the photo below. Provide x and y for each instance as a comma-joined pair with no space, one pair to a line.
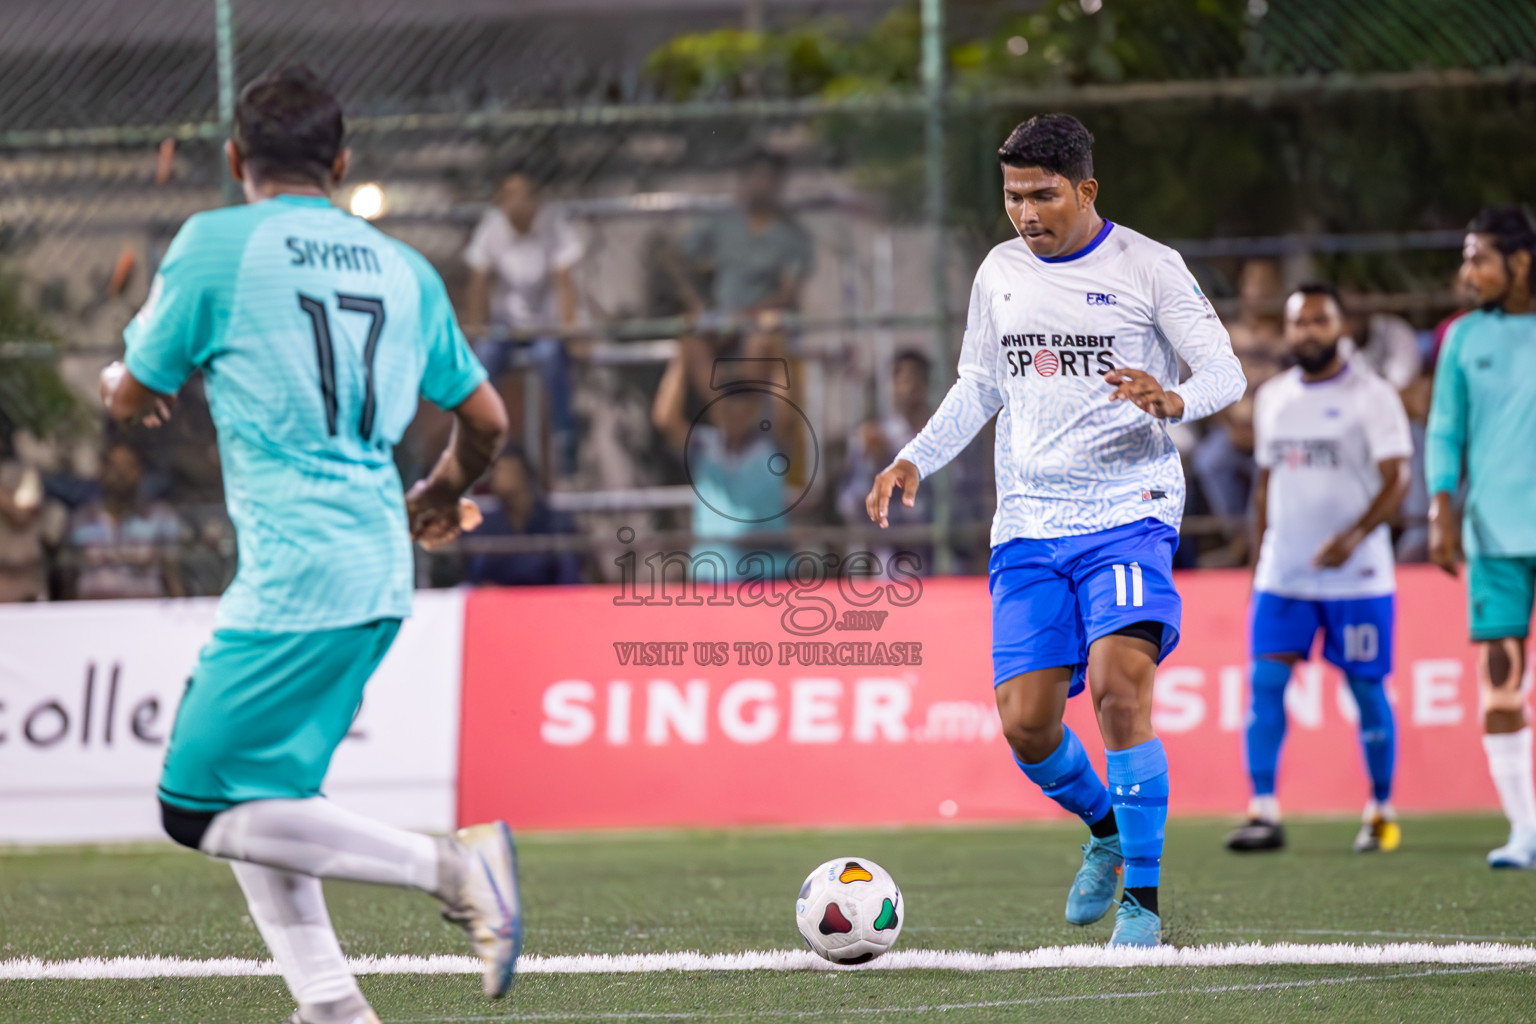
1084,42
1387,159
33,395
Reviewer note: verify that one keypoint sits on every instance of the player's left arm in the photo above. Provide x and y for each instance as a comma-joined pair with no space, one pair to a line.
452,379
436,506
1395,481
1184,316
1391,443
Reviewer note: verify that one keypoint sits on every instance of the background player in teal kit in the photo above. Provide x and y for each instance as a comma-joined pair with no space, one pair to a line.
315,334
1483,419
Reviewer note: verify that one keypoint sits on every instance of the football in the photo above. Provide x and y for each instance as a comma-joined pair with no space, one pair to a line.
849,910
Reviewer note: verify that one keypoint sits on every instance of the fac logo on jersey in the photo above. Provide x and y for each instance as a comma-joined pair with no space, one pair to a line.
1100,299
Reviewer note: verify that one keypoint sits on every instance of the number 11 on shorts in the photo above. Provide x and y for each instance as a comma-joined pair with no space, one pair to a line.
1136,592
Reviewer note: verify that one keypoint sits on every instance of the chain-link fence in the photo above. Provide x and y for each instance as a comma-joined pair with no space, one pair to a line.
1268,142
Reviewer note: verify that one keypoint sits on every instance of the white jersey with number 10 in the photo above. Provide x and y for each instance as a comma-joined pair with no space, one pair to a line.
1322,443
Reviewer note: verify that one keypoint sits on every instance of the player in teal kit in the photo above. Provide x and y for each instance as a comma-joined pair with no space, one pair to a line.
315,334
1483,419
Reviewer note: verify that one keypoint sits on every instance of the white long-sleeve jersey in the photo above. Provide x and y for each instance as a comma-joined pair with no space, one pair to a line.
1039,335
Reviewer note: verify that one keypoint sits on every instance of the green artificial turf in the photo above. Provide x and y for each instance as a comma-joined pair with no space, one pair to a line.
982,890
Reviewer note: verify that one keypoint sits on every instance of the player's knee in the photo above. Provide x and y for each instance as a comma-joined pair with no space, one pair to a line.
1032,743
1498,721
1029,723
1030,728
1120,713
184,826
1502,659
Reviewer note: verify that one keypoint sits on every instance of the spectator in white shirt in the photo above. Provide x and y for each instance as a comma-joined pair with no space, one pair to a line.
521,297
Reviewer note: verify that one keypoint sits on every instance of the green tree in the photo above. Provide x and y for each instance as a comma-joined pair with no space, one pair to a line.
1351,162
32,394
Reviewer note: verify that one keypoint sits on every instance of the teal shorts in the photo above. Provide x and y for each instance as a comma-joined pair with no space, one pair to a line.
264,712
1499,595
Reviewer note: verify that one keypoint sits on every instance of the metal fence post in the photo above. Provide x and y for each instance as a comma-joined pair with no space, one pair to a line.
224,42
933,95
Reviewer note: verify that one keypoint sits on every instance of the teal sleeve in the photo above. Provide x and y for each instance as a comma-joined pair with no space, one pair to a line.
178,328
452,371
1446,435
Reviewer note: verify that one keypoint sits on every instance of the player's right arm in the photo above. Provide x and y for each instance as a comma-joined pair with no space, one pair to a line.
667,413
480,257
128,402
175,331
1260,513
1444,443
973,399
1262,460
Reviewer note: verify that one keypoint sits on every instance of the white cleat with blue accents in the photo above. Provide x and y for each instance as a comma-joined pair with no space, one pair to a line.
1518,853
483,899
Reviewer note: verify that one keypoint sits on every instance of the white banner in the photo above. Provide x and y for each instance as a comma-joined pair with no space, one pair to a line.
88,692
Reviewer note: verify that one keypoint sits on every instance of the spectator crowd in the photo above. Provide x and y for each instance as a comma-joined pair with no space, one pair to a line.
139,514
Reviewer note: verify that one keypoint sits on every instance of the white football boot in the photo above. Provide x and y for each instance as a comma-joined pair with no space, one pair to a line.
479,893
353,1009
1519,852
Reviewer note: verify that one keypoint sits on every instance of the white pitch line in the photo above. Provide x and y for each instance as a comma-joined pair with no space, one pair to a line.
948,1008
1084,956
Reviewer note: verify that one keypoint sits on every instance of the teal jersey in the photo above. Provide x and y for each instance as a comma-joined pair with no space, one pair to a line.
1483,418
315,334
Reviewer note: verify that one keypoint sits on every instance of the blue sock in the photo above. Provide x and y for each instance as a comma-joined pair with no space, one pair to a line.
1378,733
1138,789
1068,778
1266,723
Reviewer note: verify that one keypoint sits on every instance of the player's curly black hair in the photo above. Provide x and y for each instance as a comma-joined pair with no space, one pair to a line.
288,126
1512,229
1054,142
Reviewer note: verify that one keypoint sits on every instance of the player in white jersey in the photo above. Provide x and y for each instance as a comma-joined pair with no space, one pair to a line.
1332,444
1073,340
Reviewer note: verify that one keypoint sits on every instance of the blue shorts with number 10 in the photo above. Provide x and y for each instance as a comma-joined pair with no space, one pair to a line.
1053,597
1357,632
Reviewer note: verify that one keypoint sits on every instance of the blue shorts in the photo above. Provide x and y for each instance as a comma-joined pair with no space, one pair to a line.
264,712
1052,598
1357,632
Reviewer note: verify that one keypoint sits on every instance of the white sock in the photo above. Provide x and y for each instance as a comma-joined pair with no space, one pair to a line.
1265,808
315,837
1509,762
289,911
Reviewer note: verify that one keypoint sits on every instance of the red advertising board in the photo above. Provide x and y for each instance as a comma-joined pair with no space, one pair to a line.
585,707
